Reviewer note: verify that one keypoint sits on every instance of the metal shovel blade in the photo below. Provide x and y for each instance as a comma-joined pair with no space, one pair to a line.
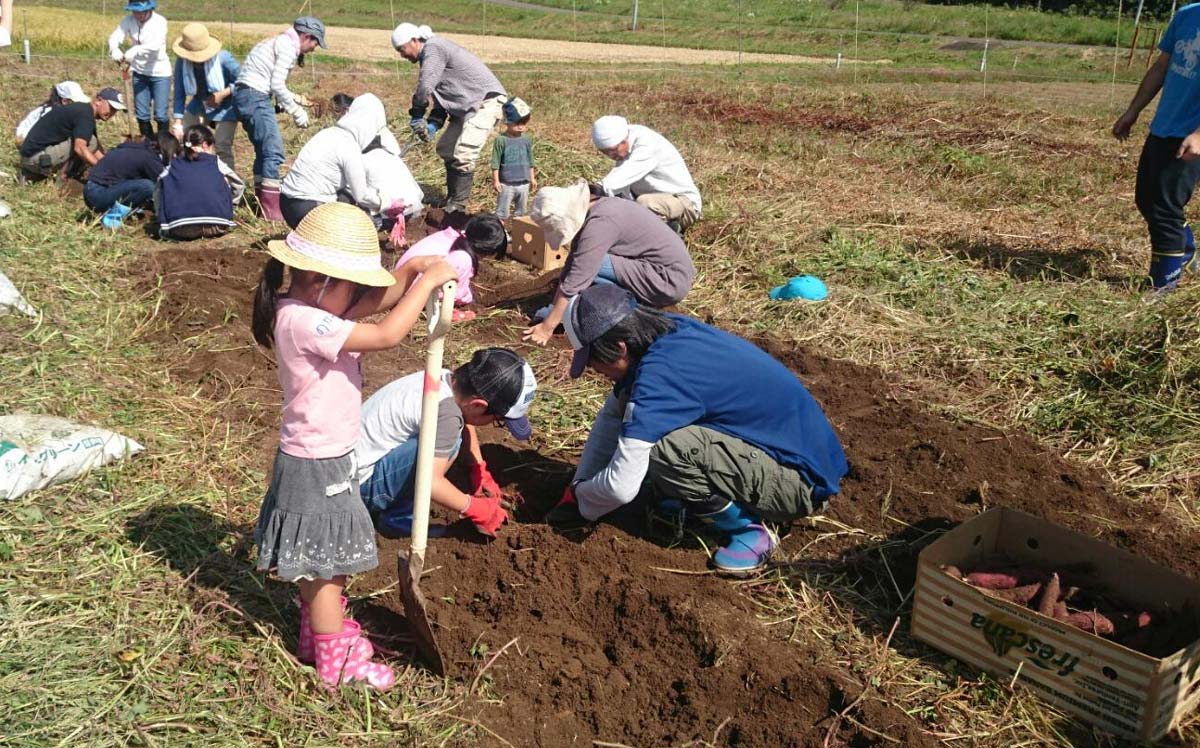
409,567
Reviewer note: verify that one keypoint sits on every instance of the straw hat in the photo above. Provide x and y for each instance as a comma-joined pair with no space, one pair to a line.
195,44
337,240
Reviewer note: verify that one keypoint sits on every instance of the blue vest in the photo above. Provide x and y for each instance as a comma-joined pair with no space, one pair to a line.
195,192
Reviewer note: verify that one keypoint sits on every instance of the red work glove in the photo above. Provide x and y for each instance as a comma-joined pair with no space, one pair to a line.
482,481
565,515
486,513
396,237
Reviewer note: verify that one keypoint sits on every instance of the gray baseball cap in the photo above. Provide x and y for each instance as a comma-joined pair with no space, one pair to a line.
310,25
590,314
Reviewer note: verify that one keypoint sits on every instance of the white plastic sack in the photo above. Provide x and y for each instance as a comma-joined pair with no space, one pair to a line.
390,176
12,300
39,451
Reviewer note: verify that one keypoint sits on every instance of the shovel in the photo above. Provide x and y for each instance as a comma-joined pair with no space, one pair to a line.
125,76
410,565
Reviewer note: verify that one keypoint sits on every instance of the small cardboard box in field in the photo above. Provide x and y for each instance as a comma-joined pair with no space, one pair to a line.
1125,692
529,245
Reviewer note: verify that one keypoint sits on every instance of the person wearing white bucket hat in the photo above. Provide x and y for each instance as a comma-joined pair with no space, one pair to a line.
64,92
463,89
649,169
313,528
148,61
613,241
204,78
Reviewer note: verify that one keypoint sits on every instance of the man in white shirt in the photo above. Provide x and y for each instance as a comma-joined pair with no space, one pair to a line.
649,169
6,22
265,73
148,62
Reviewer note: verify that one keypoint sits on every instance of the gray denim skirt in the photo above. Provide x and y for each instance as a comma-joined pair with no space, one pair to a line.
313,523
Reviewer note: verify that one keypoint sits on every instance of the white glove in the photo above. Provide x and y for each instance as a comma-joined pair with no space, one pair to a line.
300,117
118,56
302,100
130,54
177,129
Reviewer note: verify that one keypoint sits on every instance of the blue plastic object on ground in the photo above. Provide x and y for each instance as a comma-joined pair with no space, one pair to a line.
115,215
807,287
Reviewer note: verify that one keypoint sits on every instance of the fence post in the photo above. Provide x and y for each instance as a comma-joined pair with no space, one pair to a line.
633,27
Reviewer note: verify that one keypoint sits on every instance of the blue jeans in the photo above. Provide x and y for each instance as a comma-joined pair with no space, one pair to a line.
257,115
392,483
606,275
135,193
146,88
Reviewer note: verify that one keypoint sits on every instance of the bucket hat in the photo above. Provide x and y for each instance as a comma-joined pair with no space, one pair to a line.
561,211
337,240
195,44
140,6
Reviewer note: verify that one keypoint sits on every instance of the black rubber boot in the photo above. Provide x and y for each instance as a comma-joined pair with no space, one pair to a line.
146,129
458,190
163,126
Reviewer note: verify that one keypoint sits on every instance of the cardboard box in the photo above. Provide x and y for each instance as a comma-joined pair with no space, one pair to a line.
527,243
1108,685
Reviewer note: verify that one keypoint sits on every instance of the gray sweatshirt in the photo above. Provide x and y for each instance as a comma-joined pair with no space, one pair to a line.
648,257
456,79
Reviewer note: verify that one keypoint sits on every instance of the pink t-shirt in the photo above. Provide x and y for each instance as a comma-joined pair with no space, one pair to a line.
439,245
322,387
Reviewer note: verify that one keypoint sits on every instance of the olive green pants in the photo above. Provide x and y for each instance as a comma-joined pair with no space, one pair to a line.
694,464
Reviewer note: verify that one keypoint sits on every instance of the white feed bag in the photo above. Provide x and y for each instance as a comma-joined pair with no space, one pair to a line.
39,451
12,300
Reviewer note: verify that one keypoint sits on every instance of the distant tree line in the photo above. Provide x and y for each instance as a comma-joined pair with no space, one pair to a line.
1155,9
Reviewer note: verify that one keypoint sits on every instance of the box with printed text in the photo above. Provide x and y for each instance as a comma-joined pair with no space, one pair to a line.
1121,690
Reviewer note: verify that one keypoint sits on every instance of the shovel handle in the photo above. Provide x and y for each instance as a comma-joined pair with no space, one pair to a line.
440,314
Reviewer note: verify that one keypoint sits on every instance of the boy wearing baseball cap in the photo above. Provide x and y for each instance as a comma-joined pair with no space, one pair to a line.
66,136
495,386
707,419
514,174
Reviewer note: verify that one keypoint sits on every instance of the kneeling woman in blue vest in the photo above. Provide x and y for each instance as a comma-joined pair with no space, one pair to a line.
196,194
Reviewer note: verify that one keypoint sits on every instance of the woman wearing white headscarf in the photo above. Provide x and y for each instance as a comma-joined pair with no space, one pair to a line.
612,241
330,167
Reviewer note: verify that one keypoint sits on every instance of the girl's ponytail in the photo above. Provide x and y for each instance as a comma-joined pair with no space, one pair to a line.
266,297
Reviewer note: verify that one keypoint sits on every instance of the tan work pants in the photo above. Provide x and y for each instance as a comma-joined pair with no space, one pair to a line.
464,140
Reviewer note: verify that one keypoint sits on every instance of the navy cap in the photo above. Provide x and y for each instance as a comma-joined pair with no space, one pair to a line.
506,381
593,312
310,25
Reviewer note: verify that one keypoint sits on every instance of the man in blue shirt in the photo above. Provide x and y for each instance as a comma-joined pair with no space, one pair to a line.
1170,163
705,418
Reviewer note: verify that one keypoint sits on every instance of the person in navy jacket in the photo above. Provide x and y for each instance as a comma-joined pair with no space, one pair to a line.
703,417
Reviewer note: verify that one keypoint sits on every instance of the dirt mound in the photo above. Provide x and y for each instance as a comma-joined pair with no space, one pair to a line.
613,638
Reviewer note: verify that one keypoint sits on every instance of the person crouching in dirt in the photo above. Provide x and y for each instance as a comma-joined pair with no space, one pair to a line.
462,88
65,137
65,92
649,169
495,386
264,74
612,241
705,418
1169,167
482,236
330,167
195,196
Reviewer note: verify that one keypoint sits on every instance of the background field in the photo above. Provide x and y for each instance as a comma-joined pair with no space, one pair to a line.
985,261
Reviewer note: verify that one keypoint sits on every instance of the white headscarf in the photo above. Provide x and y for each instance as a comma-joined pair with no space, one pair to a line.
408,31
609,131
561,211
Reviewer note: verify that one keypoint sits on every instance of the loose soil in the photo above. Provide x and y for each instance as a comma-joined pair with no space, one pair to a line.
607,636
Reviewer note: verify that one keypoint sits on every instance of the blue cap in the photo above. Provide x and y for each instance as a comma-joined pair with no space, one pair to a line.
807,287
590,314
140,6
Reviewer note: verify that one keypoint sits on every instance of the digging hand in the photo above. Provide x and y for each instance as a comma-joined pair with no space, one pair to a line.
482,482
539,334
422,130
565,515
486,514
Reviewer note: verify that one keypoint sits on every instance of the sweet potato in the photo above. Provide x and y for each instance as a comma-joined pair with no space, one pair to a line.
1060,611
989,580
953,571
1050,596
1093,621
1021,595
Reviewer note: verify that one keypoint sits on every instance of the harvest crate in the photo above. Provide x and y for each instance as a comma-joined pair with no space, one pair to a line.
528,244
1128,693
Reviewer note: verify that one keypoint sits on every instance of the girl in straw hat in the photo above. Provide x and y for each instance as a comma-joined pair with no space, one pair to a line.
204,79
313,528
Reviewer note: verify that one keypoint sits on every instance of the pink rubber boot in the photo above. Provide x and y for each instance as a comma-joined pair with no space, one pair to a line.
342,659
304,645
